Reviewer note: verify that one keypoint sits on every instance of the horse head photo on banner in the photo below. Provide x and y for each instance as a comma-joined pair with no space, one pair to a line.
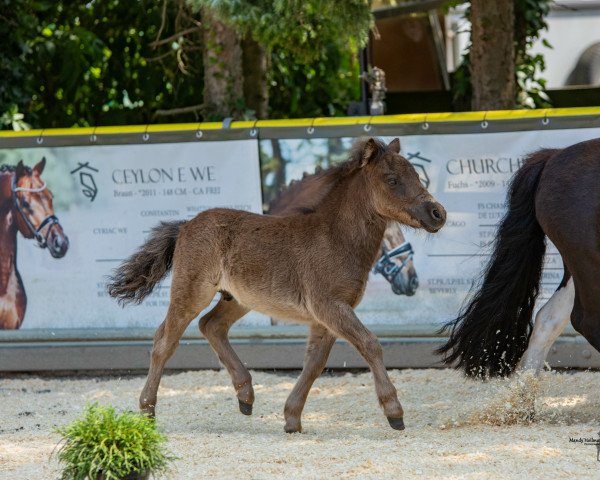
25,207
35,213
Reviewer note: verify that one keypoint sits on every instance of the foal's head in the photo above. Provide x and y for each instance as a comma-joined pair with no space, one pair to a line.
397,191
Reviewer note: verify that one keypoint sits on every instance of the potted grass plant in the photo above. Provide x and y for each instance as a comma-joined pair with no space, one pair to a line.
106,445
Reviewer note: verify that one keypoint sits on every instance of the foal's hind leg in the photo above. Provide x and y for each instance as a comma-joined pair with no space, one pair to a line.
340,319
186,303
214,326
318,348
550,322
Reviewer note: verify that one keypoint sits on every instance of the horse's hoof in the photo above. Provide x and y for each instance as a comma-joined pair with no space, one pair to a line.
245,408
396,423
292,429
148,412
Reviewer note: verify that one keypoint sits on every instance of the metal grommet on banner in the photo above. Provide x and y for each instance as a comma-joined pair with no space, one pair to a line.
146,135
310,130
199,133
40,139
425,125
93,136
545,120
367,127
254,131
484,123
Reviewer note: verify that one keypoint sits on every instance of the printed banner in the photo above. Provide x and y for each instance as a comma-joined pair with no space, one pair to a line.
468,174
106,199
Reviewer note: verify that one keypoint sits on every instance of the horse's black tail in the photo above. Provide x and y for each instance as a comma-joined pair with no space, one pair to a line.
492,331
136,277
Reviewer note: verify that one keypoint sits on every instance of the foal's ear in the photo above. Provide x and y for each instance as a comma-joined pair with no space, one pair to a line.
394,145
369,151
39,168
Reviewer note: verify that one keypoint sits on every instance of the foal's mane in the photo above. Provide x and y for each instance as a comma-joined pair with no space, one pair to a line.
305,195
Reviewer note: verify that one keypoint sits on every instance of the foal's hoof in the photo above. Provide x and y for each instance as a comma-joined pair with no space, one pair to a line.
396,423
245,408
149,412
292,429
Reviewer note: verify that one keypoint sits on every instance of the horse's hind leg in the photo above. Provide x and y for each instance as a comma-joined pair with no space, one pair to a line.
550,322
215,326
318,348
340,319
186,303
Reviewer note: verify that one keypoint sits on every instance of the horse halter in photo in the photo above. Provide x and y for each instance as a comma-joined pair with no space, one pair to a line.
391,270
50,220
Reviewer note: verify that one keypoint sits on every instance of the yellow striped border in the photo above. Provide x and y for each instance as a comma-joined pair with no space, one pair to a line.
315,122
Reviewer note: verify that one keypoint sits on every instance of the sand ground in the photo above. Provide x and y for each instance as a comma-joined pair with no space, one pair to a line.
456,428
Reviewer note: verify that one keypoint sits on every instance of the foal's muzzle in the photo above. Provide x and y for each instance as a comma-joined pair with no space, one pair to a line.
431,216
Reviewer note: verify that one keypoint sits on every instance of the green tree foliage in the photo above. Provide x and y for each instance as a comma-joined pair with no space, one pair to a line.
320,88
312,46
79,64
17,25
304,29
530,22
69,64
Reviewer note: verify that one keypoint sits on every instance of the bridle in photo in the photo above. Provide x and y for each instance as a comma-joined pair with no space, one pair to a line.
49,221
390,269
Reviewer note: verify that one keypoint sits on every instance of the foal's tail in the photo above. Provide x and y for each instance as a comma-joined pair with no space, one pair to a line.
136,277
492,331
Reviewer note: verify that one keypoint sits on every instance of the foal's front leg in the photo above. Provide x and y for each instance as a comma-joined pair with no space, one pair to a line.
320,341
340,319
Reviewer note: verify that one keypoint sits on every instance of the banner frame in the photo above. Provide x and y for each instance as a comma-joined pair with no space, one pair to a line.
410,124
405,345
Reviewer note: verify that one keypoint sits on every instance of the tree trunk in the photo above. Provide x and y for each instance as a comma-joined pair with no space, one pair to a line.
223,80
280,163
256,91
492,55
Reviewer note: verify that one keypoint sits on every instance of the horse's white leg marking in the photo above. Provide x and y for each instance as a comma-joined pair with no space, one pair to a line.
550,321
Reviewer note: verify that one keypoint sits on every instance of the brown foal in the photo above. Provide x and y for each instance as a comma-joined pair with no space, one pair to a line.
311,266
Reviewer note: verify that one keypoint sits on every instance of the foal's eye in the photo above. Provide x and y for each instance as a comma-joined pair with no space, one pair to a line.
392,182
26,204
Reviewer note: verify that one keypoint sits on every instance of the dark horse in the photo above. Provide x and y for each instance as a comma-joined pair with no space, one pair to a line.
25,206
555,193
311,266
